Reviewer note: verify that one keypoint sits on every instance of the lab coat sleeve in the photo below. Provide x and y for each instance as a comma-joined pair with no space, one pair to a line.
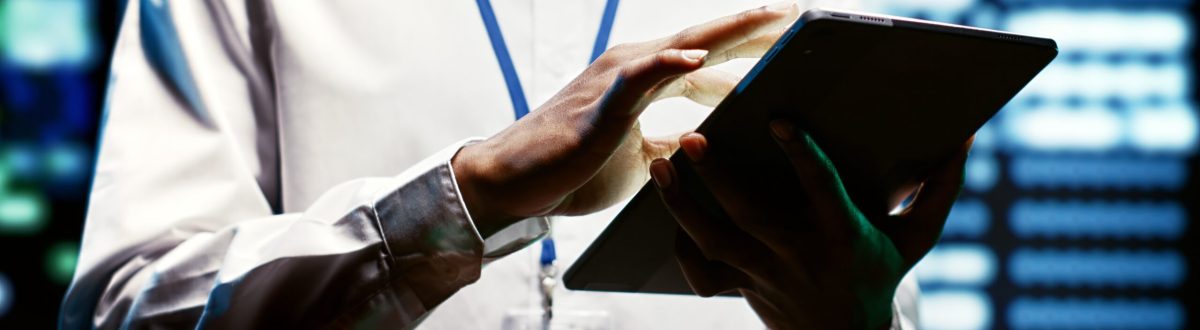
179,234
381,249
904,304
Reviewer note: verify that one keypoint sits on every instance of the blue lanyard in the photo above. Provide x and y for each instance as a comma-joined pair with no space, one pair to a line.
517,94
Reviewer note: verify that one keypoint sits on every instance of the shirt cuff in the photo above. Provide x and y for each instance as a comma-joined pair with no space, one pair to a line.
431,244
509,239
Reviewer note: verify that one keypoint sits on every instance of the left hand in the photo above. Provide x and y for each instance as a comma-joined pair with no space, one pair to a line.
840,273
583,150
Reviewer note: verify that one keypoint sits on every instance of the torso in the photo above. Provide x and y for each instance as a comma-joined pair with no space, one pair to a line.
422,76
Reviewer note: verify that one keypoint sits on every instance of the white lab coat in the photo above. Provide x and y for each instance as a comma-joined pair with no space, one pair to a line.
342,116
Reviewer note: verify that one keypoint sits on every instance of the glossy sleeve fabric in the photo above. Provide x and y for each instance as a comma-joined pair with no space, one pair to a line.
179,233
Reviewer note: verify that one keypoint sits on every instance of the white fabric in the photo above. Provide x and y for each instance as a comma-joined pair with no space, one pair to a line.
370,99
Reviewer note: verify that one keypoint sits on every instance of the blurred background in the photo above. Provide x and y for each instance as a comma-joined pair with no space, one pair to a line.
1076,215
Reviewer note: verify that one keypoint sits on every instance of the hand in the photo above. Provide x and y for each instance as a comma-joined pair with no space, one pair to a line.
838,271
583,150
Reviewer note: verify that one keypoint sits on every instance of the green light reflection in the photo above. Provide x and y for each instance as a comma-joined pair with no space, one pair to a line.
60,261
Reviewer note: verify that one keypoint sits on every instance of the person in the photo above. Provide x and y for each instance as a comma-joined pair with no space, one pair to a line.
312,164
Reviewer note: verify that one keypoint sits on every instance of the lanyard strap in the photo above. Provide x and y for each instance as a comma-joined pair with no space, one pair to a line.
516,94
606,24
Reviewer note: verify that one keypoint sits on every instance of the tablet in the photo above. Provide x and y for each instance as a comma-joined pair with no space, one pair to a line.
886,98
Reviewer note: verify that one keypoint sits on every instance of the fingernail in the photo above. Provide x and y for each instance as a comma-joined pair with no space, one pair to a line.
783,129
781,6
660,173
694,54
694,151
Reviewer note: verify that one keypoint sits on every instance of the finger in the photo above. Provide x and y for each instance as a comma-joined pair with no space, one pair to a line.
717,241
819,179
754,48
922,222
628,95
742,202
727,32
706,277
660,146
704,86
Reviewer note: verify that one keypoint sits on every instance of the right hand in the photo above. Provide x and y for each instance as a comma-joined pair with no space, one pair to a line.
809,259
582,150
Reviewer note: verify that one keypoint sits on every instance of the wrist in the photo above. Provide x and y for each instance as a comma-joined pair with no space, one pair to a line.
470,174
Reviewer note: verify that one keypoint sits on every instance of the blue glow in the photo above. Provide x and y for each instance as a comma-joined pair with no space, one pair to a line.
1079,172
67,162
1106,30
46,33
1146,3
969,218
1096,268
955,309
1076,313
1171,128
1097,220
1057,128
21,159
985,138
78,113
6,295
937,10
957,264
982,171
1096,81
20,93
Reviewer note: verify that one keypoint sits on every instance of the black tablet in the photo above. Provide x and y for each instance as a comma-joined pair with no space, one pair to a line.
884,97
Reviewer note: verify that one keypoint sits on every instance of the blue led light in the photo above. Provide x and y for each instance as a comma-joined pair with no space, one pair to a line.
1097,219
969,218
67,163
1060,128
1095,81
1171,128
1113,172
6,295
957,264
1105,31
936,10
955,309
41,34
21,159
1099,3
1096,268
982,171
1078,313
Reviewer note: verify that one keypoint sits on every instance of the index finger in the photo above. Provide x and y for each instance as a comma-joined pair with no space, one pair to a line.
727,32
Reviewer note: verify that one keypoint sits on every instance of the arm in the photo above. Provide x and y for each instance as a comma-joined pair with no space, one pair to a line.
180,229
180,233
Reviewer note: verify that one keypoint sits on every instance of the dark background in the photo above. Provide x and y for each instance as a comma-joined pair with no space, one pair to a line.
988,273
